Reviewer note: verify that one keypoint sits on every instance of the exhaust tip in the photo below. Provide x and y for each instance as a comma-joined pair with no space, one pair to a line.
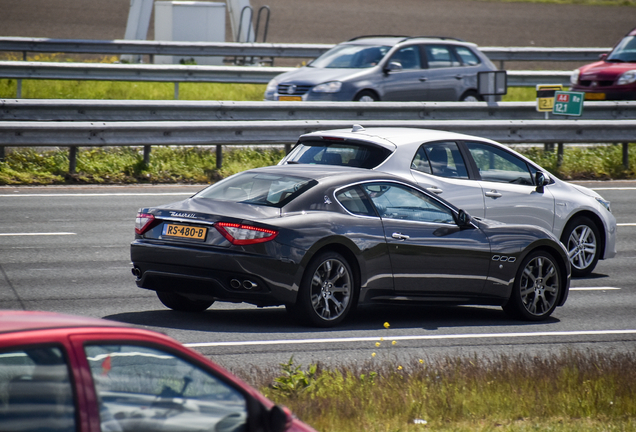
235,283
136,271
248,284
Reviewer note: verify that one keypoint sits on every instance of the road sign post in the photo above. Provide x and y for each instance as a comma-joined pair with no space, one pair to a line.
568,103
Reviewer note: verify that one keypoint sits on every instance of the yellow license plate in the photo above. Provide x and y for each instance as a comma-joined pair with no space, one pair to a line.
290,98
184,231
595,96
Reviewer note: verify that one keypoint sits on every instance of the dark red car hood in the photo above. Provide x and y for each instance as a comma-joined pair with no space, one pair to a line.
604,71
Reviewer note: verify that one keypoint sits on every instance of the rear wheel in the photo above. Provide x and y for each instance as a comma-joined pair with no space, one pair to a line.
581,238
537,288
471,96
326,292
366,96
180,303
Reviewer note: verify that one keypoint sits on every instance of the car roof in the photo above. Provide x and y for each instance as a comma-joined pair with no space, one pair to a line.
390,137
18,320
394,40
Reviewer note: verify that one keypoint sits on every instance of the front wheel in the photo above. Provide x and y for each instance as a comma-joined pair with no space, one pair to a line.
366,96
326,293
581,238
537,288
180,303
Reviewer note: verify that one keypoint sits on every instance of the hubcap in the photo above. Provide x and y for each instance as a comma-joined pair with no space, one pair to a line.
366,99
539,286
331,289
582,247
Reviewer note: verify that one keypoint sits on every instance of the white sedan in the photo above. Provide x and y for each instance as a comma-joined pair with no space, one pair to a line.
481,176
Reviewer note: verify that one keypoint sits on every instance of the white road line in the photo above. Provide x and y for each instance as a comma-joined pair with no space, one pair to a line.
594,289
35,234
407,338
614,188
626,224
98,194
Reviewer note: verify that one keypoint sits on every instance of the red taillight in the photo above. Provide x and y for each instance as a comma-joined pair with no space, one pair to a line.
142,222
239,234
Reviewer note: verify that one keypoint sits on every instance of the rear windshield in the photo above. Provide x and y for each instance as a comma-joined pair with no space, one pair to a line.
258,188
336,153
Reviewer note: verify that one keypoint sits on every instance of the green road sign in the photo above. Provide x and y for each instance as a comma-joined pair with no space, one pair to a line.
568,103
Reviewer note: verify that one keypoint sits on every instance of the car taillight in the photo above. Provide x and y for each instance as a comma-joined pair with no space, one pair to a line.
239,234
142,222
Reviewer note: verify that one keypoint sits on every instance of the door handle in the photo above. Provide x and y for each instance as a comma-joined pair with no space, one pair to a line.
435,189
423,79
493,194
459,77
400,236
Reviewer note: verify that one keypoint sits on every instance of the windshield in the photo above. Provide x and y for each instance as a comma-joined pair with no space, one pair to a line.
258,188
625,51
349,56
342,154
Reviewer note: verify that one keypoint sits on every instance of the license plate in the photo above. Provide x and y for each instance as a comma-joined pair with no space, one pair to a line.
290,98
184,231
595,96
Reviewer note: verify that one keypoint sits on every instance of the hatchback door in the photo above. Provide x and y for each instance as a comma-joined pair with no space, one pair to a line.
508,185
430,254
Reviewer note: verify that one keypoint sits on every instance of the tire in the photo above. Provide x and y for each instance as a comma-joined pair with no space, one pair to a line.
581,239
326,293
471,96
180,303
537,288
366,96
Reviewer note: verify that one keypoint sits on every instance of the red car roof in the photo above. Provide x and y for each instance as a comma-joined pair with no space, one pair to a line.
17,320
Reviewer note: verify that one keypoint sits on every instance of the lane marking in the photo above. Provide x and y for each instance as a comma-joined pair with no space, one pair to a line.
626,224
99,194
411,338
36,234
594,289
615,188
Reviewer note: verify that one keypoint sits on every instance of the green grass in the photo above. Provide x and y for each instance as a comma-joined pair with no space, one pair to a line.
571,391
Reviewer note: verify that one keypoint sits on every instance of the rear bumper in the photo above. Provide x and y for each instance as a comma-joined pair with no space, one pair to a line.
210,274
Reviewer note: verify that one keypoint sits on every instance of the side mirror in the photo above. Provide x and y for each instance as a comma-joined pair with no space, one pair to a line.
393,67
541,179
279,419
602,56
463,219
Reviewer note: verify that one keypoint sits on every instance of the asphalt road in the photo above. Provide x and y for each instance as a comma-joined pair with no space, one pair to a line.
66,249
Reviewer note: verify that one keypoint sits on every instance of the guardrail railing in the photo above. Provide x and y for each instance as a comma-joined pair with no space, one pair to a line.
270,50
149,110
190,73
90,134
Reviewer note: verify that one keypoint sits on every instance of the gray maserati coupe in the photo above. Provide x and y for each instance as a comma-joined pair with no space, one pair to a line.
321,239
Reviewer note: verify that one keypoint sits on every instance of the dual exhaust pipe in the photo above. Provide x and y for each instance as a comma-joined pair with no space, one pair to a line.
246,284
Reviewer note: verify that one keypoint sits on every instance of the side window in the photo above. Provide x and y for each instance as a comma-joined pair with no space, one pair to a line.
355,201
497,165
141,388
444,159
36,391
440,56
467,56
408,57
396,201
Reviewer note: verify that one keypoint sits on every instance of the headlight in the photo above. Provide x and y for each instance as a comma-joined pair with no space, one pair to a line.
604,203
328,87
627,78
574,78
272,86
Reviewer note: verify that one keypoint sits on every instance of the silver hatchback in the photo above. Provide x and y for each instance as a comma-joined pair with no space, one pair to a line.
478,175
389,69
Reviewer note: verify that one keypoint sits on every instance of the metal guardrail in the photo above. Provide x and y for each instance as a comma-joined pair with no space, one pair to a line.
133,110
119,47
188,73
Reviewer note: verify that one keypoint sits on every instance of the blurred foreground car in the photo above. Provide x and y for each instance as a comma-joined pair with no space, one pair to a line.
387,68
481,176
66,373
611,78
321,239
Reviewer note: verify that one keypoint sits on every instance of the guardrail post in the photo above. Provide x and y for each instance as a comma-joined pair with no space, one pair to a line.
1,153
72,160
287,148
219,156
559,155
626,156
176,91
146,155
18,92
548,147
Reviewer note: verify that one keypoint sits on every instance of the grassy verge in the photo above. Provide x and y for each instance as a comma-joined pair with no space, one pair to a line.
571,391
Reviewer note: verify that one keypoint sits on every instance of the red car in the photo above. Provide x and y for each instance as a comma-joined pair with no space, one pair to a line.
611,78
67,373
